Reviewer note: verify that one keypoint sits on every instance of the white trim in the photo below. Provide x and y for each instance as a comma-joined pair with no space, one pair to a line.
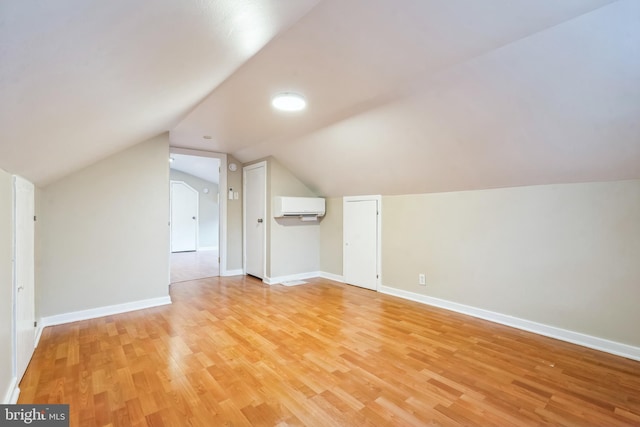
601,344
238,272
108,310
12,393
262,164
331,276
15,395
299,276
378,200
39,330
222,241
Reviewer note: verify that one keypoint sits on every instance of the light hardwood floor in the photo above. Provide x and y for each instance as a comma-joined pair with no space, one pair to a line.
194,265
232,351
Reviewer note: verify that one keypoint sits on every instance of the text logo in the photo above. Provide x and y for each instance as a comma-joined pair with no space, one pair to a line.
34,415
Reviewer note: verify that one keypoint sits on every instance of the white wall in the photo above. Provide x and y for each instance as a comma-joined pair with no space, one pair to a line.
6,285
208,208
293,245
105,233
234,218
562,255
331,245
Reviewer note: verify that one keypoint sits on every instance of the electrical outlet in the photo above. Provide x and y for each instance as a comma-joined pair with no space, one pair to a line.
421,279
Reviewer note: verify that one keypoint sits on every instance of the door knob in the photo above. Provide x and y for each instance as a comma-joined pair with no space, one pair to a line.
260,220
193,217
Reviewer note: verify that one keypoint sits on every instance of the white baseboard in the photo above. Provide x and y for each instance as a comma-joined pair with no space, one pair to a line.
39,330
15,395
12,393
280,279
92,313
331,276
299,276
578,338
228,273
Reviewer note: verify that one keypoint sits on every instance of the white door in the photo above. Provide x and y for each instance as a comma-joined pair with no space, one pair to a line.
361,241
255,194
184,217
23,274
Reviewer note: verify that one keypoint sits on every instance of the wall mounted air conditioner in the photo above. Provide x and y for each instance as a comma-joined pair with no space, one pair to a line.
304,207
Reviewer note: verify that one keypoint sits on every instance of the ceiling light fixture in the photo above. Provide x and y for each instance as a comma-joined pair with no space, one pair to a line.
289,101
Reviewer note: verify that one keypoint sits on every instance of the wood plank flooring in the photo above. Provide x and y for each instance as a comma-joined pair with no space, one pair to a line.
235,352
194,265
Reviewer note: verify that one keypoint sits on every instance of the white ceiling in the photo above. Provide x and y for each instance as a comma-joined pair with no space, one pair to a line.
82,79
405,96
206,168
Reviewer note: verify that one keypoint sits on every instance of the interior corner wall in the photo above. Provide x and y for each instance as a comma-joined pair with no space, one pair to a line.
331,237
234,217
561,255
293,245
6,285
105,233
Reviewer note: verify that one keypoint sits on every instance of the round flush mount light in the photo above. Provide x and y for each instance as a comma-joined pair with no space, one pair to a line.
289,101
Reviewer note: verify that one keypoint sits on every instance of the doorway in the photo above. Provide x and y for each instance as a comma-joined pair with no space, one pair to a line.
254,219
197,225
361,228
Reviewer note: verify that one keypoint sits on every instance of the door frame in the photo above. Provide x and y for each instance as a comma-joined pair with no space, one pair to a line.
222,205
197,193
262,164
378,200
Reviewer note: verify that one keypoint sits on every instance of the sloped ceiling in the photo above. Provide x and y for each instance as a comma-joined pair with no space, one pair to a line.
206,168
82,79
405,96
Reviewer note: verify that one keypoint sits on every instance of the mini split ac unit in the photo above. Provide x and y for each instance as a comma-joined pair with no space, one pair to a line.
304,207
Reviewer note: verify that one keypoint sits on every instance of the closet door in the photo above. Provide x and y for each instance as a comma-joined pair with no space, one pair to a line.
361,241
23,274
255,195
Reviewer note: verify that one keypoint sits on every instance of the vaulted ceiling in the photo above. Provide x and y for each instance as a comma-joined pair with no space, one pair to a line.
404,96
